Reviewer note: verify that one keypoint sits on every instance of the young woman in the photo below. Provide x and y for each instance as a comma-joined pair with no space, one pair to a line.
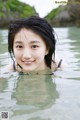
31,44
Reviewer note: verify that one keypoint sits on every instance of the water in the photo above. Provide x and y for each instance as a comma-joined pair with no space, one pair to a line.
44,97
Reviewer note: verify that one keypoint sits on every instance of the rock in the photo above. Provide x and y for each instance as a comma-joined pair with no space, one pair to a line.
74,10
9,11
66,15
61,18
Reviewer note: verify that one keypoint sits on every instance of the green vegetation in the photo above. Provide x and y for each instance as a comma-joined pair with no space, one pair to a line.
55,12
14,9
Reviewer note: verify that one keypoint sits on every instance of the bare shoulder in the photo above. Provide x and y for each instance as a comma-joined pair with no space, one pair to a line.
58,63
61,63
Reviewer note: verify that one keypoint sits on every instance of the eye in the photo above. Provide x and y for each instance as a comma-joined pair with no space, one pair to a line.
19,46
34,46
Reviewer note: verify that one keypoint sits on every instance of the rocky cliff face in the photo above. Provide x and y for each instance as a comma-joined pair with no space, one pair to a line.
74,10
11,10
60,18
67,15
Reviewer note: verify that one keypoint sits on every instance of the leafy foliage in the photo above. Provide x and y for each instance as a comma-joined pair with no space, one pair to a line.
11,7
53,13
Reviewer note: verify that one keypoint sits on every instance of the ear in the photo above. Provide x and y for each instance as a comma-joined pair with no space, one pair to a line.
47,51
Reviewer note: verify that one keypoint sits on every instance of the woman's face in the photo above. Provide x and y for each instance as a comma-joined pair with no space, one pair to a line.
29,50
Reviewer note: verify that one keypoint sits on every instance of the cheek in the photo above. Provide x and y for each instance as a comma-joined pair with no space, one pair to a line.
17,54
40,54
43,52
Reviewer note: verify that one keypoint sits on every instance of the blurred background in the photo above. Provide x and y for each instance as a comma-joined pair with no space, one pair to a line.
57,12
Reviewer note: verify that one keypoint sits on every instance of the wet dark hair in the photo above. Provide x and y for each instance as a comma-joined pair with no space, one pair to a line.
39,26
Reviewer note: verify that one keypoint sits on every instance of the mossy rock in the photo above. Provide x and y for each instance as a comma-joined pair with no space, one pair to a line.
11,10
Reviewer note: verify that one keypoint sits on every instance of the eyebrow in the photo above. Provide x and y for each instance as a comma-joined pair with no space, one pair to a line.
20,42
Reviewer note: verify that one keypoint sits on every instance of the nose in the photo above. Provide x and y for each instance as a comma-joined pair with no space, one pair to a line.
27,53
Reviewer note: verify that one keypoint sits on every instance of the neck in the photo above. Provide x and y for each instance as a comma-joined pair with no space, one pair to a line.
40,72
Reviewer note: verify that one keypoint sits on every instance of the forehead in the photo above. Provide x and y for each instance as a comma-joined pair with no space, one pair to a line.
28,35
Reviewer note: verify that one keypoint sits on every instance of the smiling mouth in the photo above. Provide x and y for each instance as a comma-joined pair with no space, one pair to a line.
28,62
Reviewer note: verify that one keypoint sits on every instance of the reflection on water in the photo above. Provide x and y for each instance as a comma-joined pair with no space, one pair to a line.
74,35
35,90
3,84
44,97
28,94
3,41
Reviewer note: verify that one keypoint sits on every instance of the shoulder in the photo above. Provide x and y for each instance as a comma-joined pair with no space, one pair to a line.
58,63
61,63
